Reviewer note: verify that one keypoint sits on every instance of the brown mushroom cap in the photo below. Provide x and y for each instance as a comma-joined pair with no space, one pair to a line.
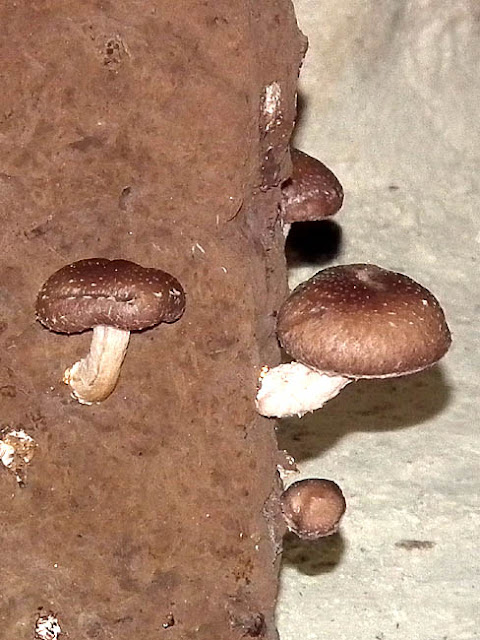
362,321
313,508
114,293
312,193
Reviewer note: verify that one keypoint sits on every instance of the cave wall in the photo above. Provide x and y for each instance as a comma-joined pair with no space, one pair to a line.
390,103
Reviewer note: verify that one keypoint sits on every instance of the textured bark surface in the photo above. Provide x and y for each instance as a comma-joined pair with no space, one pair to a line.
140,131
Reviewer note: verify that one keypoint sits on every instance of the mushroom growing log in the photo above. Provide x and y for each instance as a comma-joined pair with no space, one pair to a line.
158,132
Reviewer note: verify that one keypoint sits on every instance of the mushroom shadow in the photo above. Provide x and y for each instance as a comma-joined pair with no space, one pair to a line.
366,405
313,558
313,243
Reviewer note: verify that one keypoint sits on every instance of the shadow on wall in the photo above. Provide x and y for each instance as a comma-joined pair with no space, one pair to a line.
313,243
302,108
366,405
313,558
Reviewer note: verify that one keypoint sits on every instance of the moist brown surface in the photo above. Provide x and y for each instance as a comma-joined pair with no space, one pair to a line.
133,131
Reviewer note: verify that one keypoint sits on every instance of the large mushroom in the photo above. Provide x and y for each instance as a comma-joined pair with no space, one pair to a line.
350,322
312,192
113,297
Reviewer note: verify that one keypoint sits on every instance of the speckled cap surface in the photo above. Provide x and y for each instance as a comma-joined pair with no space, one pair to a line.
363,321
312,193
115,293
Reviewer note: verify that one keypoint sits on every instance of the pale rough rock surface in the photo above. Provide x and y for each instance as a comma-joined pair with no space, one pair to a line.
391,93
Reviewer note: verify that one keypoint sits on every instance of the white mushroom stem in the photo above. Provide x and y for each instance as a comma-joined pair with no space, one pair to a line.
294,389
7,454
285,228
94,377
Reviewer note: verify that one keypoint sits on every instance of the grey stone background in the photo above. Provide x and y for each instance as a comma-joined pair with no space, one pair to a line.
390,94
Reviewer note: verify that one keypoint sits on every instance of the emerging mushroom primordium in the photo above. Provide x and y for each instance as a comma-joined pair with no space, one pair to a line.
312,508
112,297
349,322
312,192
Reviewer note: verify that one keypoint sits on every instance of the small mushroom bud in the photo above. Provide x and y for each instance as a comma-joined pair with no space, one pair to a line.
312,508
350,322
112,297
311,193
